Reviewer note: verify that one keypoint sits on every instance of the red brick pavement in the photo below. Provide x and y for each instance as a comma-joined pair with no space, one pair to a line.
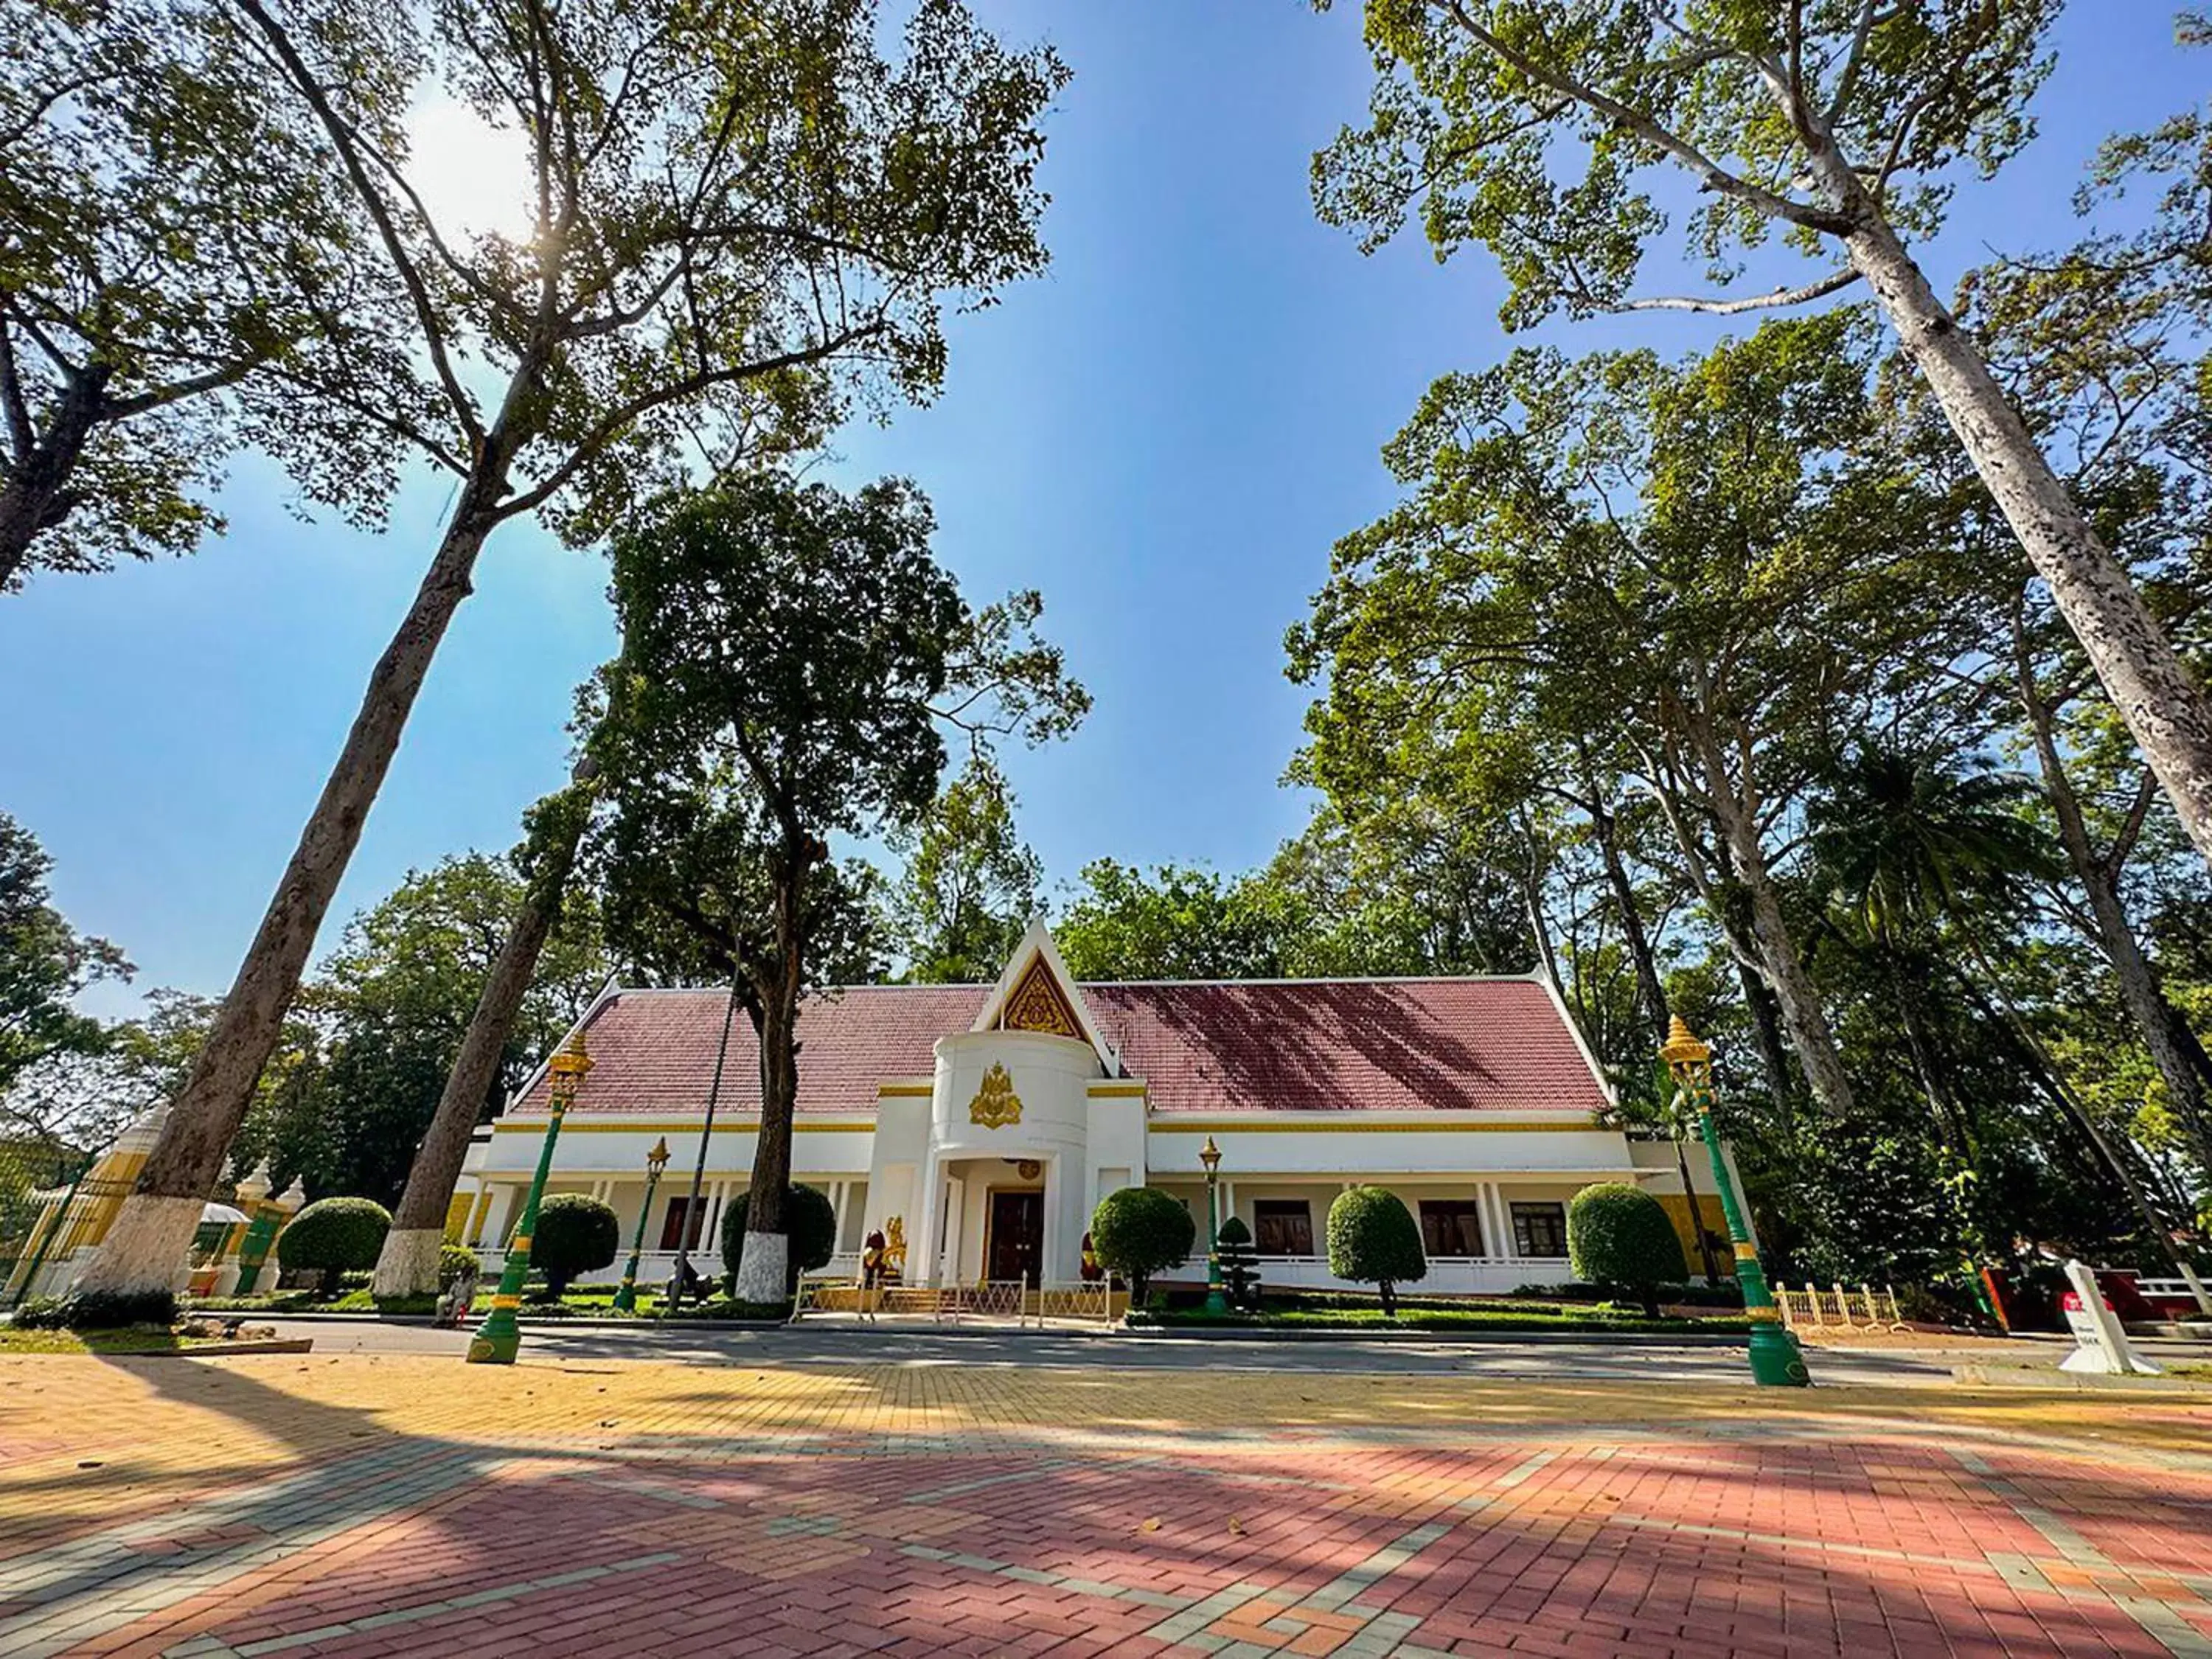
1697,1547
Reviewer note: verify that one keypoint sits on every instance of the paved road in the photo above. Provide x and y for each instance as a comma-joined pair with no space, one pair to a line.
1538,1358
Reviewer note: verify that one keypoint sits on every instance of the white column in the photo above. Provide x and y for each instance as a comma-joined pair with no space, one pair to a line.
1499,1226
922,1245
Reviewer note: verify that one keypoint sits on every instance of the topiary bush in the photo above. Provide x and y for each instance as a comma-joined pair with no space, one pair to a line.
1240,1264
1619,1236
1139,1232
1373,1239
457,1262
97,1310
334,1236
810,1226
576,1234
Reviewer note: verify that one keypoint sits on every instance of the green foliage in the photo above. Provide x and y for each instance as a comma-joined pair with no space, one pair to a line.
97,1310
810,1227
1138,1231
969,885
575,1234
334,1236
1176,923
455,1263
44,963
185,272
1373,1239
1618,1235
1552,131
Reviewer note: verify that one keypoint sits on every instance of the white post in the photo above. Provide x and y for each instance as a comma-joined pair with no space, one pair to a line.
2100,1344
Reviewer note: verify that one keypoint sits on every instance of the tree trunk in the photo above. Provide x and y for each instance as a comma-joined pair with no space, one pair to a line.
38,496
2164,707
408,1265
1803,1016
145,1249
763,1271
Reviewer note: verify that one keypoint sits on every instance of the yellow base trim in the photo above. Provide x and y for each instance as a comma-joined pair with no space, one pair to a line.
499,1302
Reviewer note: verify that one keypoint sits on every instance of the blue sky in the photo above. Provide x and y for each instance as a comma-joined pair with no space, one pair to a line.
1165,435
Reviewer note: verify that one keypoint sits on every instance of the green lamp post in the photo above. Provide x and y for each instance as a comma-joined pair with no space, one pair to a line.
1776,1359
1210,1156
498,1340
655,1162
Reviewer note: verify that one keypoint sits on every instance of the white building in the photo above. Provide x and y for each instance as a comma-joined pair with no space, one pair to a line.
989,1120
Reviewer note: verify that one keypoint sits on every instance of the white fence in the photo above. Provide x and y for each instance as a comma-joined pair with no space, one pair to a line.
996,1300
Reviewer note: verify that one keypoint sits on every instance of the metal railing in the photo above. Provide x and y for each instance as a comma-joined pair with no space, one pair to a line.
1014,1300
1865,1309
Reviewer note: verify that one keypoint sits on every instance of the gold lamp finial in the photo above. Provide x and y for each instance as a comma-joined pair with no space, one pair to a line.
1681,1047
569,1065
1210,1156
657,1159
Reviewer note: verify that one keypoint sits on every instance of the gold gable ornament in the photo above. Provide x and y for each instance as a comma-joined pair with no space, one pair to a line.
996,1104
1037,1004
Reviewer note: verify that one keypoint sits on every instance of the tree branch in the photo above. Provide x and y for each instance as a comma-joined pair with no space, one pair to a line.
1713,305
340,132
1712,175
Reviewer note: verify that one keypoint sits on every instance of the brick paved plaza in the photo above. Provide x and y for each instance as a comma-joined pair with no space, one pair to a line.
375,1504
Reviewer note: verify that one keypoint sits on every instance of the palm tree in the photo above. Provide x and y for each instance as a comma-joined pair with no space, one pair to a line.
1916,851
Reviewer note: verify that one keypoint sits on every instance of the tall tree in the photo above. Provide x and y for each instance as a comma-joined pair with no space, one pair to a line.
791,659
1539,128
739,222
181,269
1708,568
407,1266
969,885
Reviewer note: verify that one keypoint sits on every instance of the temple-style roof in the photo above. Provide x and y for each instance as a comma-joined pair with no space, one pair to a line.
1357,1045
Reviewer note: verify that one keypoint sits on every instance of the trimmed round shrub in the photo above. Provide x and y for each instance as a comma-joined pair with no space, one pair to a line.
1373,1240
1139,1232
1619,1236
457,1262
576,1234
1240,1263
810,1228
333,1236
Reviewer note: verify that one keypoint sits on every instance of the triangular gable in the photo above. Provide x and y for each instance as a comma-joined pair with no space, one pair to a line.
1036,993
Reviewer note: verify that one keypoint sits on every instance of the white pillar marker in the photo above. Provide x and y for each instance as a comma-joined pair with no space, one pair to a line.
2100,1344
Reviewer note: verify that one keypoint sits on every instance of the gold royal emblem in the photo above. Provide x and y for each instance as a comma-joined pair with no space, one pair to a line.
996,1104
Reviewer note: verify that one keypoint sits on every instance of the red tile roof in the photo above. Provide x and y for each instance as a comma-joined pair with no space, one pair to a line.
1296,1045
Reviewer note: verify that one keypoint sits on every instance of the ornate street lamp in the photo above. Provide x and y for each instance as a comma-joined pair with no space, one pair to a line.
655,1162
1210,1156
1776,1359
498,1340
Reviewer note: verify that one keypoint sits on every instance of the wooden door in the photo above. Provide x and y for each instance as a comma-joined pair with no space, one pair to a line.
1017,1236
